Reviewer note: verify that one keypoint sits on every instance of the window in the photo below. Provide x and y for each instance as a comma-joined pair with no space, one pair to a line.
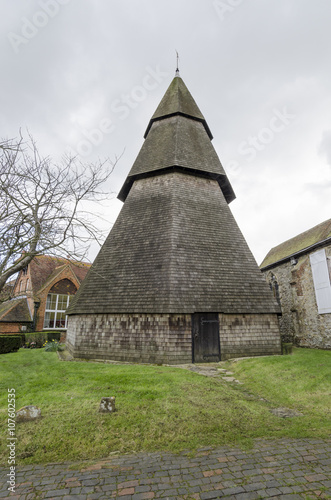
321,278
274,287
56,306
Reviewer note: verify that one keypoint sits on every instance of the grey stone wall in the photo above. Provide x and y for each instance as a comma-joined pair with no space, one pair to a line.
166,338
249,335
300,318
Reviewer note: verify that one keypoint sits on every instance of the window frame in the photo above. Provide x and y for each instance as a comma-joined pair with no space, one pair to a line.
56,311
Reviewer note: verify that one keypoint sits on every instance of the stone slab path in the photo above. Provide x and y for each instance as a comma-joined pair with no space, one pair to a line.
285,469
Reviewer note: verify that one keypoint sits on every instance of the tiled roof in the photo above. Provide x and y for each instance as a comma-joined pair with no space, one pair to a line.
15,310
43,266
7,290
299,243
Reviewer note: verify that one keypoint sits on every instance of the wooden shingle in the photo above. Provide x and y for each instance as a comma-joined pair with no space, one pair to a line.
175,248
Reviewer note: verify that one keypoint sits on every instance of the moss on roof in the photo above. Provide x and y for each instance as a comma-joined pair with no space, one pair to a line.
182,142
178,100
300,242
15,310
174,248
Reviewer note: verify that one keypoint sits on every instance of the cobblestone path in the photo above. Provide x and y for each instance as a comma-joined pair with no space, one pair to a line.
285,469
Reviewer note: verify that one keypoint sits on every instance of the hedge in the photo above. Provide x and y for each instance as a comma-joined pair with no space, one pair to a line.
21,335
40,337
9,343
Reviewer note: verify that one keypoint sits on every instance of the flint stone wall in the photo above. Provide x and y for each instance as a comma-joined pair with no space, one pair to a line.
300,317
167,338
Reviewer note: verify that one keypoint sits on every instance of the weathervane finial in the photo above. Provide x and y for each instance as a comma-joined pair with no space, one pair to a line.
177,68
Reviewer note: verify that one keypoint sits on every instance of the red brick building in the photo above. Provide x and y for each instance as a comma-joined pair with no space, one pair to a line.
41,295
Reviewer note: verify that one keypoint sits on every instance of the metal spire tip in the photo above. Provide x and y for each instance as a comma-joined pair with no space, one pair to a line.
177,68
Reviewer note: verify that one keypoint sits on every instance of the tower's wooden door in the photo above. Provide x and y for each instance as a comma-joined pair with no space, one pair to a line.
206,338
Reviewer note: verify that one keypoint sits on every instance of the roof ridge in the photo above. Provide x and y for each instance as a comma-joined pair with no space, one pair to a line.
63,259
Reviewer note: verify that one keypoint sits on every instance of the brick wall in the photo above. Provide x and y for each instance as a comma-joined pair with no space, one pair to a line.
6,328
167,338
300,317
249,335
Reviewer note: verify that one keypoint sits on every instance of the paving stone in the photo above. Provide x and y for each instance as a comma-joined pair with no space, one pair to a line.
285,469
75,491
290,497
272,492
208,495
142,489
248,495
87,489
261,494
285,489
57,493
253,486
108,487
143,496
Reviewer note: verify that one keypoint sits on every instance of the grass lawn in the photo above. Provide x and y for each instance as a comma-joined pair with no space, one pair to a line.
158,407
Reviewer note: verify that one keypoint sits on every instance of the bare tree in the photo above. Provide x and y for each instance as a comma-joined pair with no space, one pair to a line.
41,205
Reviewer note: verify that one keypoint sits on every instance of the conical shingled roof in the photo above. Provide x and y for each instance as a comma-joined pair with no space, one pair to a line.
178,137
178,100
175,246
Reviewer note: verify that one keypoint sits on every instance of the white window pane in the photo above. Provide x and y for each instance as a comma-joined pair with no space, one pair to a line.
60,320
46,319
49,319
321,279
62,303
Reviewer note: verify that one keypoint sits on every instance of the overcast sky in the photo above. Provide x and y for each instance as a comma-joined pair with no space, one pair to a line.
86,76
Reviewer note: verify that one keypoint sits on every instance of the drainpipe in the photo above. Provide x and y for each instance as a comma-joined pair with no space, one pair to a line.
36,307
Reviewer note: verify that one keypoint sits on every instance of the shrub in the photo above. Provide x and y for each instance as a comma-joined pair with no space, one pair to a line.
9,343
54,335
41,337
53,346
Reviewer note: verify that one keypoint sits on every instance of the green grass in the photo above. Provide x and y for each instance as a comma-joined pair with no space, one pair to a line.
158,408
301,381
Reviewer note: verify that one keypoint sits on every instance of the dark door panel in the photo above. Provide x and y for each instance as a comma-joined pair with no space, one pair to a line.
206,339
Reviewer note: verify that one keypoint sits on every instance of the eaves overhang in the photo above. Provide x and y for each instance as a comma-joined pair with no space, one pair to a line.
299,253
203,121
222,180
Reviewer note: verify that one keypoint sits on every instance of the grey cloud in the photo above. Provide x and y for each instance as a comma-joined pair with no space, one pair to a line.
262,56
